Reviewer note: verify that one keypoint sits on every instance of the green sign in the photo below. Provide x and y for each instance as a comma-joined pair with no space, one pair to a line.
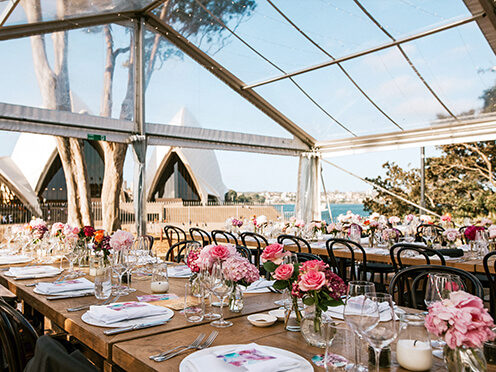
96,137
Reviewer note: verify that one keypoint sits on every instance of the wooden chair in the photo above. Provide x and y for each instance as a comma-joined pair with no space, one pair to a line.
408,285
398,249
294,240
149,241
342,265
256,251
228,237
200,235
17,339
491,281
171,231
244,252
174,254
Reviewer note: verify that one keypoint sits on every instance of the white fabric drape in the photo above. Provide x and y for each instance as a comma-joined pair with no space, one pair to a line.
308,196
139,150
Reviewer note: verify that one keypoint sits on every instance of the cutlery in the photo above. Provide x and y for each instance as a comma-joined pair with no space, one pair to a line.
205,344
274,290
59,279
108,301
63,297
195,343
134,327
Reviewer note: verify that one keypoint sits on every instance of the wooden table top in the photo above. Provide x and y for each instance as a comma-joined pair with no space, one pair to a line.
93,337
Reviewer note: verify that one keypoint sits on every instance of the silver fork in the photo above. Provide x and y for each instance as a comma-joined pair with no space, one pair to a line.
205,344
194,345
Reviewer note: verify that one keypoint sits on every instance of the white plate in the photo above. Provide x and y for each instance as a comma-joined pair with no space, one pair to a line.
36,276
66,293
87,318
7,260
304,365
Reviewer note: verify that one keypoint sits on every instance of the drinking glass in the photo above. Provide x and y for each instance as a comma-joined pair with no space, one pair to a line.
70,254
194,303
338,337
187,249
378,323
222,288
482,242
439,286
119,267
103,280
206,281
429,233
130,262
352,311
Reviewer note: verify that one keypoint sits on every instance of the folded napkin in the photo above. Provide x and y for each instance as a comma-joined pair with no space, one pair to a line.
109,314
80,284
355,308
14,259
246,358
182,271
260,286
33,271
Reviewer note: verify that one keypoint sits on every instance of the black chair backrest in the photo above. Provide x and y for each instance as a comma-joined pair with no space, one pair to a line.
171,230
256,250
228,237
492,281
304,257
149,241
398,249
200,235
438,229
343,264
294,240
17,338
462,233
408,285
175,252
243,251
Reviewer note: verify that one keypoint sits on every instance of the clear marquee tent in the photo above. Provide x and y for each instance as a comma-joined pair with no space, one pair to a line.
306,78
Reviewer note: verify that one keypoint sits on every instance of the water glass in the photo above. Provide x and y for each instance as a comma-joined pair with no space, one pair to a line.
160,278
339,345
194,303
103,281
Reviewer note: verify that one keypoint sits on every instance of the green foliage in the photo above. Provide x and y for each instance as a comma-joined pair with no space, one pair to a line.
249,198
270,266
309,301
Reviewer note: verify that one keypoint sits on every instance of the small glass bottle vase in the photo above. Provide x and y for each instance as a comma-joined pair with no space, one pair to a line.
293,317
312,328
464,359
236,301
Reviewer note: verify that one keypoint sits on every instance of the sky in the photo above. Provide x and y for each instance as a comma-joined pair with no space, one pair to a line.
339,27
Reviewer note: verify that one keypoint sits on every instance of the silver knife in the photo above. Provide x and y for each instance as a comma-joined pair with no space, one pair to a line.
63,297
134,327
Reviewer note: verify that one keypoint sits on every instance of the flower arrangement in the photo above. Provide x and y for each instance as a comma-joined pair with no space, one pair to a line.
394,220
461,320
87,233
451,235
101,244
233,224
492,231
294,226
121,240
258,223
486,222
316,227
409,218
334,228
425,218
390,235
192,259
240,271
212,253
471,231
372,226
38,229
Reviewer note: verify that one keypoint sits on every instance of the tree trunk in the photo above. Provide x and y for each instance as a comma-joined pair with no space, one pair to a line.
55,91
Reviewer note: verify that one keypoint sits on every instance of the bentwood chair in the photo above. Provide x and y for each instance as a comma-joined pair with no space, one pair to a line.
400,250
408,285
420,231
356,272
171,231
149,242
228,237
175,253
491,280
248,240
200,235
304,257
300,243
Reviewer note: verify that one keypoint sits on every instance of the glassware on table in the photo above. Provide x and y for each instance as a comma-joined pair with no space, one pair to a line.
482,243
206,281
119,267
130,261
413,349
378,324
430,234
103,280
355,233
352,312
222,287
339,339
187,249
290,259
194,303
440,285
160,278
70,254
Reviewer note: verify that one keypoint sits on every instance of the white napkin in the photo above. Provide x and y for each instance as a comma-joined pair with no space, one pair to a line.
210,361
182,271
33,271
355,308
14,259
123,311
65,286
377,251
260,286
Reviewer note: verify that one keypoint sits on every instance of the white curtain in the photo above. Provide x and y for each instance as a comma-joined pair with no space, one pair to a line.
308,195
139,150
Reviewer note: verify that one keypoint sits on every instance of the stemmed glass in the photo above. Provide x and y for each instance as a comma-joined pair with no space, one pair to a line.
429,233
482,241
70,254
119,267
206,281
131,261
378,334
439,286
222,288
353,309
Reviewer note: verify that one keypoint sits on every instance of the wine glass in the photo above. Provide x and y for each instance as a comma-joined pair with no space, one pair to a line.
119,267
352,311
206,281
429,233
378,323
439,286
70,254
482,241
130,261
222,288
188,249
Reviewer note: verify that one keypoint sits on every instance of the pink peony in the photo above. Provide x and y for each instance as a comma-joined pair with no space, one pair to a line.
492,231
451,234
394,220
312,281
312,265
239,270
57,228
121,240
211,253
275,253
284,272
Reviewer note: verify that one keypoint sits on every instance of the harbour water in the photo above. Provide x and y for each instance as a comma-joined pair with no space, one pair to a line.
336,210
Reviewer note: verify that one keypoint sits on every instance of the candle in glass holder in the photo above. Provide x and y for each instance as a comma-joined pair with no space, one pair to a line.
160,279
159,287
414,355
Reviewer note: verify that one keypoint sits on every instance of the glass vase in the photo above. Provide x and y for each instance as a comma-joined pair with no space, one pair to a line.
293,317
371,240
463,359
236,301
312,328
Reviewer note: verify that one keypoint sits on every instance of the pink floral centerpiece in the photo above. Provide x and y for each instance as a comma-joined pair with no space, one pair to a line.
38,229
471,231
121,240
390,236
451,235
334,228
394,220
317,227
464,324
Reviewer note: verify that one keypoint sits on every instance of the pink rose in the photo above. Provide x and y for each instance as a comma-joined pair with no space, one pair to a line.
121,240
312,281
313,265
274,253
284,272
220,252
492,231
